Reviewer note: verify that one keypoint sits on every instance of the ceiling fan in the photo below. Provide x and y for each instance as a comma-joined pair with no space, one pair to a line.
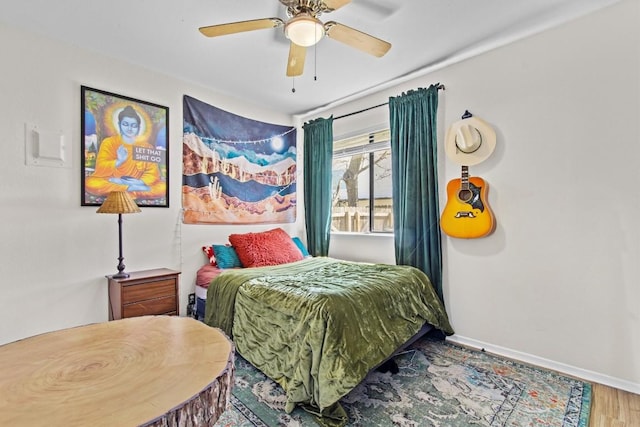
304,29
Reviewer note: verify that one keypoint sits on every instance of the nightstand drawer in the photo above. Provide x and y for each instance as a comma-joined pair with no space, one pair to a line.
148,292
166,305
140,292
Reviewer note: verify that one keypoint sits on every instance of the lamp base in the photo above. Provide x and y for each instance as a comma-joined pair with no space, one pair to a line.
121,274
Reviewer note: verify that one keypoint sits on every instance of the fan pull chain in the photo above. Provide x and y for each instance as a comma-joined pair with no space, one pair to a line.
293,85
315,60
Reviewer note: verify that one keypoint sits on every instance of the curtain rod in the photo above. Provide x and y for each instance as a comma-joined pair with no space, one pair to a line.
439,87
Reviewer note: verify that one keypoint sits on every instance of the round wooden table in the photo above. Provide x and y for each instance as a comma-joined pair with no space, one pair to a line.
151,371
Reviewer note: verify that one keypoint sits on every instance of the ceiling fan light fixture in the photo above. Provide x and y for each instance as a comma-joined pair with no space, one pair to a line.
304,30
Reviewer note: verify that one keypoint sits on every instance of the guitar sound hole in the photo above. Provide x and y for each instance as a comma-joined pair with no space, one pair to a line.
465,195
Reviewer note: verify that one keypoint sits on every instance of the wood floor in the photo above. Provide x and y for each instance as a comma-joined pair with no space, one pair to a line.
611,407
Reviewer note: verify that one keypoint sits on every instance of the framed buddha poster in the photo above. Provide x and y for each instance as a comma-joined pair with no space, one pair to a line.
125,147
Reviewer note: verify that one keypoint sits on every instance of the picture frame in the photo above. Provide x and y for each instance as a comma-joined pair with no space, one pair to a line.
125,147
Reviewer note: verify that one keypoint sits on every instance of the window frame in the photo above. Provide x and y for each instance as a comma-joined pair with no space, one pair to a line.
378,140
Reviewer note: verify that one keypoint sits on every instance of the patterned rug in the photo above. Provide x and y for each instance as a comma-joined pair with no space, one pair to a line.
438,384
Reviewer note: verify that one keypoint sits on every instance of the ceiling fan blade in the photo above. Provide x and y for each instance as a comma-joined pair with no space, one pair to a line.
295,65
241,26
354,38
335,4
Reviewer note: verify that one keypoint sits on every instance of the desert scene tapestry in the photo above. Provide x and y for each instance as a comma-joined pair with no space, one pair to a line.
236,170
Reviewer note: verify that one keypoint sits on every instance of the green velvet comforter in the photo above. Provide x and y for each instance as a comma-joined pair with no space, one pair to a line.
317,326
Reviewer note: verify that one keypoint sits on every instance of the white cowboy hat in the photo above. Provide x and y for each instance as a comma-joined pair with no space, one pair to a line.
469,141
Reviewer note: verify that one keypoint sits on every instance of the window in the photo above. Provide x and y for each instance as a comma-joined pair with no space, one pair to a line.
361,183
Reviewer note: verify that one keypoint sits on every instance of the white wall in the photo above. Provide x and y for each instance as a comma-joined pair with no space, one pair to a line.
55,254
558,280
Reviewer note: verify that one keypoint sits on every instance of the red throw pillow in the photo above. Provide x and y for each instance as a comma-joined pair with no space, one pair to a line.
271,247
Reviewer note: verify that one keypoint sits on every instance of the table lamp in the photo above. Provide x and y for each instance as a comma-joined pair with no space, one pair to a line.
119,202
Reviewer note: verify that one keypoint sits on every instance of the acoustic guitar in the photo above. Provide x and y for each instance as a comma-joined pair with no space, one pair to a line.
467,214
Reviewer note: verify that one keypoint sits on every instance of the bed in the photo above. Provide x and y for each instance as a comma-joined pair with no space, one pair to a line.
204,277
318,325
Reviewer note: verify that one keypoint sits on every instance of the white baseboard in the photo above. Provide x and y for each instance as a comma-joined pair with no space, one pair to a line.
584,374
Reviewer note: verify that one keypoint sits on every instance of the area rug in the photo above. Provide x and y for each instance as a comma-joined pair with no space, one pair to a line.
438,384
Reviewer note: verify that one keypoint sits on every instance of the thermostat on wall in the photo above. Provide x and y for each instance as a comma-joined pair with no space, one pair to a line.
45,147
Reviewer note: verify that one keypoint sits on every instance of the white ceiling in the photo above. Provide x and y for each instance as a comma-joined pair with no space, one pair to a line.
163,35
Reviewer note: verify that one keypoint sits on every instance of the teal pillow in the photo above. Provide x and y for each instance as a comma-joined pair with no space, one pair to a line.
226,256
300,246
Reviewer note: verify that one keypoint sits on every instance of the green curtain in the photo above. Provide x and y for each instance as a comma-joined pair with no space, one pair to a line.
416,212
318,160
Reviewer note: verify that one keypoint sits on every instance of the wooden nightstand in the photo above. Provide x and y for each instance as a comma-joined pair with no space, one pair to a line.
143,293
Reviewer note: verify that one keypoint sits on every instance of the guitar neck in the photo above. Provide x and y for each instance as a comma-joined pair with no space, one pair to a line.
464,179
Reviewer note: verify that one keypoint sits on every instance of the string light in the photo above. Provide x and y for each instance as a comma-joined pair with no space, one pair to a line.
257,141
